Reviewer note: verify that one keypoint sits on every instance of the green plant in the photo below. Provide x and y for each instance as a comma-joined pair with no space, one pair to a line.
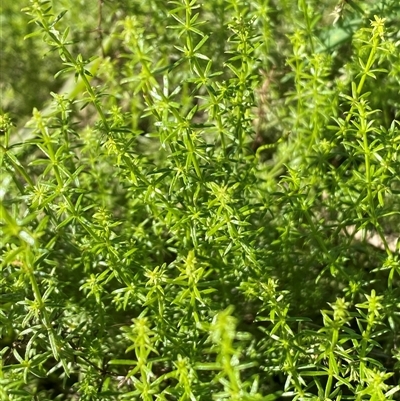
208,208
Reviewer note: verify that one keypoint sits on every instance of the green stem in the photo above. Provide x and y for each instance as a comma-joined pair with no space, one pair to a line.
308,24
28,268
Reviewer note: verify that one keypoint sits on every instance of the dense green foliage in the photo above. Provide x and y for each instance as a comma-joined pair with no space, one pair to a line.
203,203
